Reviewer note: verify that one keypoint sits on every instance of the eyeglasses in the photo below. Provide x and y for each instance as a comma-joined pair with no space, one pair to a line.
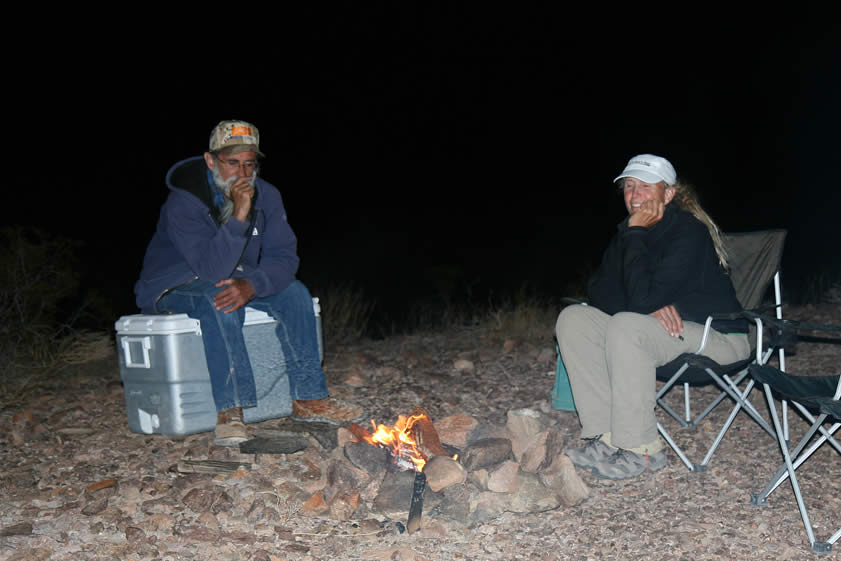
248,166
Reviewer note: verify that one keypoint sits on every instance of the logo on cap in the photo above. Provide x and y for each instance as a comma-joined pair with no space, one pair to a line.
241,130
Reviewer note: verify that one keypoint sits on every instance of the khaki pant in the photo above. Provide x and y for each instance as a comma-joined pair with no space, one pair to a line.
611,362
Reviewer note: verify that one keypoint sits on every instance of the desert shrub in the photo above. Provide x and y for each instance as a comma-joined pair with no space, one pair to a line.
345,313
524,314
818,288
39,288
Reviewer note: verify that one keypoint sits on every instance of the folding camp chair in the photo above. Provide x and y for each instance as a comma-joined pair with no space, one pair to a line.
819,394
754,259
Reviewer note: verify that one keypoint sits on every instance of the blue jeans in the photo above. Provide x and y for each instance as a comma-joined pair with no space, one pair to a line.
231,376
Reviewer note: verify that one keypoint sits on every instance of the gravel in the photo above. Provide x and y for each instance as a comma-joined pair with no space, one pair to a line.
76,484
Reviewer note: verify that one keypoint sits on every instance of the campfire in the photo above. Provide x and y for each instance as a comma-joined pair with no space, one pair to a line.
411,442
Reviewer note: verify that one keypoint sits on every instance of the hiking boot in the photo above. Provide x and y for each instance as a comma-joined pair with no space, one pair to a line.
230,428
624,464
327,410
590,454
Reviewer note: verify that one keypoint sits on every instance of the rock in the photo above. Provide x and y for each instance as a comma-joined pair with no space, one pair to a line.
464,365
342,477
546,355
524,425
455,429
562,477
31,554
159,523
372,459
504,479
370,525
355,378
531,496
395,493
199,499
135,534
323,433
276,445
95,506
394,554
22,529
488,430
541,451
99,485
479,478
342,507
485,453
442,472
345,437
209,521
222,502
256,511
390,372
315,505
455,504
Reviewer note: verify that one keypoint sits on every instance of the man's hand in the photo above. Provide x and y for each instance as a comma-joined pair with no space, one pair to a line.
242,191
649,214
670,320
237,294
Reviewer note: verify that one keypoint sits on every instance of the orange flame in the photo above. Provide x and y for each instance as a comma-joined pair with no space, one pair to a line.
399,439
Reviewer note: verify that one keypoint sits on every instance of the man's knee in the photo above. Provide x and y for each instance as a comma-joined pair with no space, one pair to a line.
297,291
295,298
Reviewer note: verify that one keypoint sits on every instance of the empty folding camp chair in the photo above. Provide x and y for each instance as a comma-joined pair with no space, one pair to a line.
754,261
808,394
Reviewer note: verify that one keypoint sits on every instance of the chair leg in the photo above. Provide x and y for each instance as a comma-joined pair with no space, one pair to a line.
727,424
782,474
818,547
668,438
828,434
733,391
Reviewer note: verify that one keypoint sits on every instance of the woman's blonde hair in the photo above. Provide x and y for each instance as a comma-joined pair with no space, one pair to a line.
686,199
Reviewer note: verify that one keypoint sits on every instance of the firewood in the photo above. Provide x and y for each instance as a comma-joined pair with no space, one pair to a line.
425,434
211,466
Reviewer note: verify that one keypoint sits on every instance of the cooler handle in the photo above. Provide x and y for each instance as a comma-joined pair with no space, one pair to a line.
145,345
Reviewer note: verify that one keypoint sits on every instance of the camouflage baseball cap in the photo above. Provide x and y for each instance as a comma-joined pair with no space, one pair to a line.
231,134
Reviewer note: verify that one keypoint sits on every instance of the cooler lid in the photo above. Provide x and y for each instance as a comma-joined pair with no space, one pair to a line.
163,324
166,324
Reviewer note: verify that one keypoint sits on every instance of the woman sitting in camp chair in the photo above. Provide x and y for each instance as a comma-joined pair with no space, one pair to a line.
663,273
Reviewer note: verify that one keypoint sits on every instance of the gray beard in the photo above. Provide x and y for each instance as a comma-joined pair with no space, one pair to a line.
225,186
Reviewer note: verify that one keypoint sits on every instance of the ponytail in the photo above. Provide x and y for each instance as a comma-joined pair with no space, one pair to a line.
686,199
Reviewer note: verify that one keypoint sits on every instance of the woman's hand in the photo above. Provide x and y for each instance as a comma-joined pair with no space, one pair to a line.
670,319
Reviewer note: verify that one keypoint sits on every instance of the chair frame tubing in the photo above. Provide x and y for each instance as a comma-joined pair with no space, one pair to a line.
730,387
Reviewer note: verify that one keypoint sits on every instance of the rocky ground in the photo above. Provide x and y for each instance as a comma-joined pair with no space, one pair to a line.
76,484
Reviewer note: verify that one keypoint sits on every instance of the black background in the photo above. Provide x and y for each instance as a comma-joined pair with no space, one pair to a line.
410,146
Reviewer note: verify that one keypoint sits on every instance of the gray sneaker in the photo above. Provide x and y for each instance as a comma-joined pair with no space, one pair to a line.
624,464
590,454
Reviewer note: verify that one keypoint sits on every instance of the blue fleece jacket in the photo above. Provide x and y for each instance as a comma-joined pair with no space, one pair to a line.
189,242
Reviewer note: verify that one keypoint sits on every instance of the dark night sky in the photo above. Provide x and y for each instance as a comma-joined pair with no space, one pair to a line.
405,140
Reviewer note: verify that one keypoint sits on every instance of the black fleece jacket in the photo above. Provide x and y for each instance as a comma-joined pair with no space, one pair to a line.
673,262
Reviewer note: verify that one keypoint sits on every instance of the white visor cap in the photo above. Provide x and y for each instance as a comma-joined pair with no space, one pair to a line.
650,169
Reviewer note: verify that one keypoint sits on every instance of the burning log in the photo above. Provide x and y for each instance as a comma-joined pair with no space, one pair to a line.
426,437
416,506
